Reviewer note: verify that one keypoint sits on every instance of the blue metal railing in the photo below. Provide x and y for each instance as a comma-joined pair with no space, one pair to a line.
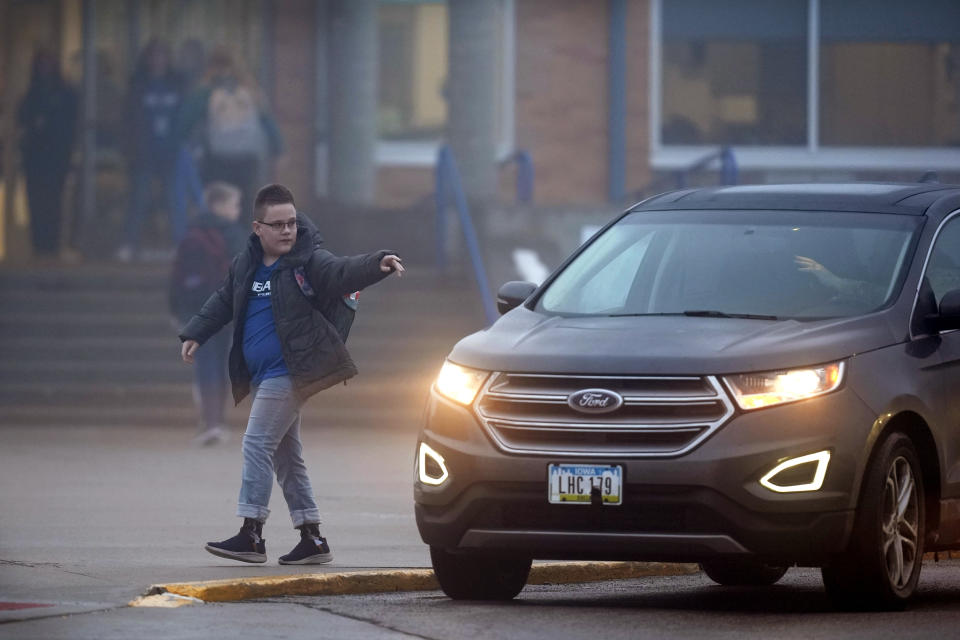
728,174
449,184
524,175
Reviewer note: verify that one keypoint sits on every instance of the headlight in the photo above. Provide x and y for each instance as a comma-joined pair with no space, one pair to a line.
460,384
758,390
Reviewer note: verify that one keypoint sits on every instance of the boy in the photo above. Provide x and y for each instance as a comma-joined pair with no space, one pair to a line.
287,351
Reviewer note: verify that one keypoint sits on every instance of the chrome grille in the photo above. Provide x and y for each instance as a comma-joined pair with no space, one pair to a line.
660,416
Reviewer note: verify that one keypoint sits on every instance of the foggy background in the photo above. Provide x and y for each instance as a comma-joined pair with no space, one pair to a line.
542,118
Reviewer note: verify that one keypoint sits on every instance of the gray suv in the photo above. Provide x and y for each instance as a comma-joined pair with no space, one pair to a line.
750,378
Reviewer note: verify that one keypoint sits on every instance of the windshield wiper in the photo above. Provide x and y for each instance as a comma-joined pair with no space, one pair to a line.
710,313
698,313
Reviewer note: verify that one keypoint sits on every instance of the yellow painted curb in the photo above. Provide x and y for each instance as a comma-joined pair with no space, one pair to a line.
359,582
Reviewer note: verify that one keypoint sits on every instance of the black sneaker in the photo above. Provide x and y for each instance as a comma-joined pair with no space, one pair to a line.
246,546
312,548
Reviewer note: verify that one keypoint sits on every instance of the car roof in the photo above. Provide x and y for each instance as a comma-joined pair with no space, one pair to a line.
902,198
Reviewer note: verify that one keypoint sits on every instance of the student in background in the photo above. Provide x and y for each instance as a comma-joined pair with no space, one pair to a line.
228,112
48,118
202,262
156,92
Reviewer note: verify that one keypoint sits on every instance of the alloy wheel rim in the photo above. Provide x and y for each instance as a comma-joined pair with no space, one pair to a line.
900,522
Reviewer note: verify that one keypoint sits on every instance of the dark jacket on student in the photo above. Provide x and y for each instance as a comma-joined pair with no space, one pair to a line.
202,262
312,349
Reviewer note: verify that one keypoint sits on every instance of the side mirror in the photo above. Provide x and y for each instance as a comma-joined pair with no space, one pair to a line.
512,294
949,314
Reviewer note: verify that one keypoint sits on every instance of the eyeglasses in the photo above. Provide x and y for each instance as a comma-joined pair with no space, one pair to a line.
280,226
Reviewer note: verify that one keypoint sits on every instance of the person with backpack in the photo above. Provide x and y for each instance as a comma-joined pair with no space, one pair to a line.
227,118
153,101
201,264
287,349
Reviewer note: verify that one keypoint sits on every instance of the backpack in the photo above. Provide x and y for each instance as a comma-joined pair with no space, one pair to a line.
201,262
339,311
233,123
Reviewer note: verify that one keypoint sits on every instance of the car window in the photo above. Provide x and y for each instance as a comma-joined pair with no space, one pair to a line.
609,287
943,270
779,263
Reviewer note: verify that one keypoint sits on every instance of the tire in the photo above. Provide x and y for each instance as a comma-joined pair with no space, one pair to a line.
881,566
476,576
732,572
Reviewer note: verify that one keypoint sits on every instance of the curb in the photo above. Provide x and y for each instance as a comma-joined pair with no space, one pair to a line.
361,582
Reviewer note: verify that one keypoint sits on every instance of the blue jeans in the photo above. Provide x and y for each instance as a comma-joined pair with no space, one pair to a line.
272,444
211,379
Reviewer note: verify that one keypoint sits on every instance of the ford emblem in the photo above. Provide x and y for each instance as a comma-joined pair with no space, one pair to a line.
595,401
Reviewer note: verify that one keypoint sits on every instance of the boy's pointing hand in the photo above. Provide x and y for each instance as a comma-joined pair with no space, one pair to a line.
392,263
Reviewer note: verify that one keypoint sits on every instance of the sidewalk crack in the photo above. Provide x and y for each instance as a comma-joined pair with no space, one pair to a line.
376,623
46,565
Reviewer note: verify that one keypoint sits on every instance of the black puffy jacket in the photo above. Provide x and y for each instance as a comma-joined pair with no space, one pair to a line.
313,351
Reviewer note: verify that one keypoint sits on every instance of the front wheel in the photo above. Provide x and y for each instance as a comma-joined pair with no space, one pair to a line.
479,576
881,567
742,572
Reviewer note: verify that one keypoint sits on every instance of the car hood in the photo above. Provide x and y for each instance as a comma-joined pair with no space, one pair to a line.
528,341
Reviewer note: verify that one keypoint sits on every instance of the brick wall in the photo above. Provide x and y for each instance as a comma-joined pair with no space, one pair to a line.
561,100
560,108
403,186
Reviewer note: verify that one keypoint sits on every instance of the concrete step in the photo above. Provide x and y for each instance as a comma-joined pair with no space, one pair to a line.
105,302
112,277
170,369
364,389
186,416
86,402
93,344
69,325
85,277
150,350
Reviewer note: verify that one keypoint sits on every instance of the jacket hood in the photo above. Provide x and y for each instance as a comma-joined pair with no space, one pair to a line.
308,239
528,341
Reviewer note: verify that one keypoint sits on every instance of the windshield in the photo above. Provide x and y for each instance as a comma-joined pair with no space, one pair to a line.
769,264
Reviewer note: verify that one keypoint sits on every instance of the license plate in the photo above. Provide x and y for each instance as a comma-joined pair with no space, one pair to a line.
574,483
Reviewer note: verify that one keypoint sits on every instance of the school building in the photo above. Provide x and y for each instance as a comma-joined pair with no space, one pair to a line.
605,95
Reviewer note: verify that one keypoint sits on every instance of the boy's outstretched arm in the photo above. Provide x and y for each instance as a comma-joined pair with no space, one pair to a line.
334,275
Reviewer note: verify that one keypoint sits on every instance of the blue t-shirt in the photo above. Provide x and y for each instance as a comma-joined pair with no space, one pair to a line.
261,345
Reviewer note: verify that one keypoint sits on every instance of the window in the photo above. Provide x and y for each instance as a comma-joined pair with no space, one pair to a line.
807,84
413,55
734,72
890,73
413,70
604,286
943,271
794,264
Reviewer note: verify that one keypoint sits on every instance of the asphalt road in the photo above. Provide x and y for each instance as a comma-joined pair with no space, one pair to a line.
665,607
97,515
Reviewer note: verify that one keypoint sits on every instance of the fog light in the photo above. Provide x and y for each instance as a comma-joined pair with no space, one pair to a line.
431,468
805,473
